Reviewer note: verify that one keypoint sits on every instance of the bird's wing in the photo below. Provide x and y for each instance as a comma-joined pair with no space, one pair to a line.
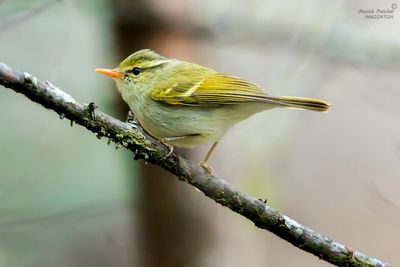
193,89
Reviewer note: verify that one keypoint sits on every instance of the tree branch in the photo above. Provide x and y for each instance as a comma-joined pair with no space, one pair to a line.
147,148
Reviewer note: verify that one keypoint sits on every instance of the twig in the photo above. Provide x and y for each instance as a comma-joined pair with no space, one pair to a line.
149,149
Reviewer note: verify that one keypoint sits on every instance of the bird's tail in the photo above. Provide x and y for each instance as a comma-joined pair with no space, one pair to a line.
301,103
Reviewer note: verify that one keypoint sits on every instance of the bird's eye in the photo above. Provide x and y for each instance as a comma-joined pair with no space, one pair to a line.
136,71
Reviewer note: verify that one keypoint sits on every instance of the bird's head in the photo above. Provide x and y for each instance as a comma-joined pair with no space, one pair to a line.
139,68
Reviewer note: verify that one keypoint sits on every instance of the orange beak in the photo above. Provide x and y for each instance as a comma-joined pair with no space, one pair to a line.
114,73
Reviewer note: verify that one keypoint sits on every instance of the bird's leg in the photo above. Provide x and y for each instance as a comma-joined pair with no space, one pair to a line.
165,141
131,120
170,147
204,164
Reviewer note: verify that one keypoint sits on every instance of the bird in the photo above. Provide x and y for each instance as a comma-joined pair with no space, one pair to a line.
186,105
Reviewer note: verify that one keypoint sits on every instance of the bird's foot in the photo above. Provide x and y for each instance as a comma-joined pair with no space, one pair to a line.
170,148
208,168
131,120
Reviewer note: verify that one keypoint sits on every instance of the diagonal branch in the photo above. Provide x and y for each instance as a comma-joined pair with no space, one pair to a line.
149,149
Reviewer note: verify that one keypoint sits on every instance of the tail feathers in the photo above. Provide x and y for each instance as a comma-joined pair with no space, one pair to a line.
302,103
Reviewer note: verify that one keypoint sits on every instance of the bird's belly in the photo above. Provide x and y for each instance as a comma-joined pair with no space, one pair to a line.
189,126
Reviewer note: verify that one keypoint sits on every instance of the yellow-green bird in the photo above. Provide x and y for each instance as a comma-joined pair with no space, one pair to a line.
187,105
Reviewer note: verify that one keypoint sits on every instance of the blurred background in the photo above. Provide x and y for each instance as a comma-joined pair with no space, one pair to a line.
69,199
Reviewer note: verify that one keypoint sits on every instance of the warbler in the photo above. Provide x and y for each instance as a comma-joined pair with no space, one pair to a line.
186,105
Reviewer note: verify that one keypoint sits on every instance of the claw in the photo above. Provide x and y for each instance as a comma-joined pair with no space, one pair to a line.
208,168
130,119
204,164
170,148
